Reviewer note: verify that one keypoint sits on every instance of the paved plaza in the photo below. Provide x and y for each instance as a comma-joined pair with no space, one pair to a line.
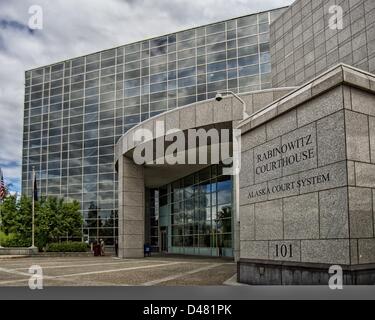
108,271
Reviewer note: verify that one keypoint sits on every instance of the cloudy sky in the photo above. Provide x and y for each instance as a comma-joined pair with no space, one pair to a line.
76,27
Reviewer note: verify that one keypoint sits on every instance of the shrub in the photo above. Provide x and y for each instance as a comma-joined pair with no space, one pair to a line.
14,241
3,237
67,247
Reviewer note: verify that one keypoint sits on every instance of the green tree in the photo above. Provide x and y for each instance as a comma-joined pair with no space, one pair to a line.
24,218
8,210
54,218
16,216
16,220
72,221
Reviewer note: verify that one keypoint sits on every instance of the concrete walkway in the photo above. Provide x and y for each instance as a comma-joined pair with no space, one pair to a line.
107,271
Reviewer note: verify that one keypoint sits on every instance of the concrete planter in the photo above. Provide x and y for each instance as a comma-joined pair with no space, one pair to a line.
18,252
65,254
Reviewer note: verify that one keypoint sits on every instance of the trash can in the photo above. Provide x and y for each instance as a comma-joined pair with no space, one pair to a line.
147,250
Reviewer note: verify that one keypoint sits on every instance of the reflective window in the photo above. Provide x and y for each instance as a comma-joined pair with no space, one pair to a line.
247,31
216,66
248,60
246,21
215,28
198,212
247,71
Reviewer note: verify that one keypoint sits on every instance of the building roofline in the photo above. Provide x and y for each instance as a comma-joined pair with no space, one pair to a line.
152,38
280,16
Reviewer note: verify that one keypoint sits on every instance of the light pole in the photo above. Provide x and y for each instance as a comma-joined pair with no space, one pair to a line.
219,98
1,221
236,176
33,212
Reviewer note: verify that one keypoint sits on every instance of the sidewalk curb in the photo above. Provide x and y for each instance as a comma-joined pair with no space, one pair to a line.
233,282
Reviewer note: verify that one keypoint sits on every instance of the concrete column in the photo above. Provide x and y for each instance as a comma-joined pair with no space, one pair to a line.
236,217
120,172
131,210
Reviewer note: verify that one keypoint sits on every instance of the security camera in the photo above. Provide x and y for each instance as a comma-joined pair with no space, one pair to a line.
219,97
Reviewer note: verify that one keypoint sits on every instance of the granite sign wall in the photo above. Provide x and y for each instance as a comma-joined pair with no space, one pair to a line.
307,183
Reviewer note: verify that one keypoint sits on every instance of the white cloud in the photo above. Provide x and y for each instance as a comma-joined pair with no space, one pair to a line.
73,28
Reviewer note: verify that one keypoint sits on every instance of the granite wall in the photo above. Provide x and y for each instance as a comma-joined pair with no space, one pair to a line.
303,45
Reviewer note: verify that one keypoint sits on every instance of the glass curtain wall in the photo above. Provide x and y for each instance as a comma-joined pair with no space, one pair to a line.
75,111
195,213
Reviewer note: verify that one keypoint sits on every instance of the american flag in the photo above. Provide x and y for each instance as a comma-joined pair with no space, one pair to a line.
2,186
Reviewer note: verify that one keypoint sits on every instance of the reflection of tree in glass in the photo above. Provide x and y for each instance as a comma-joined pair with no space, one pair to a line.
108,228
92,216
225,213
110,223
224,223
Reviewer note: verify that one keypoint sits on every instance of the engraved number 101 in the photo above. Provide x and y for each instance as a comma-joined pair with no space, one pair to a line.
284,251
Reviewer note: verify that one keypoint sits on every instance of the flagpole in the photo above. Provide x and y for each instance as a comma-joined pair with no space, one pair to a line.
1,221
33,213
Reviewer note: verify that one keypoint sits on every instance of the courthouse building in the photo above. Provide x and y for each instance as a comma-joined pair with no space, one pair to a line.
302,125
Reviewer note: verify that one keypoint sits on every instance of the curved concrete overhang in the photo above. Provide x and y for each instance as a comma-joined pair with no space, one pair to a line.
209,114
202,114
